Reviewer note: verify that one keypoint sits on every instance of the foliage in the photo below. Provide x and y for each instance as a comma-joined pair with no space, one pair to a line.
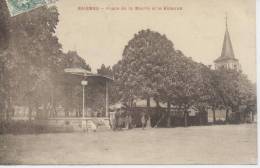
140,71
105,71
33,63
151,67
32,72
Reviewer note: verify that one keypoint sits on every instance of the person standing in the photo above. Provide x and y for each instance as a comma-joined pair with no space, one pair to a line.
130,122
113,120
148,122
120,122
143,121
127,122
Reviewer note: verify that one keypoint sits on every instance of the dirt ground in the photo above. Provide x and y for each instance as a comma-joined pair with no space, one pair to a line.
222,144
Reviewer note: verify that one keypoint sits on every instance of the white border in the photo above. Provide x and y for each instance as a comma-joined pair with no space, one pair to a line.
196,166
257,72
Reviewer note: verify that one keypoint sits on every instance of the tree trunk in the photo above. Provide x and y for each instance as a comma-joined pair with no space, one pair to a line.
45,111
76,110
3,81
252,116
5,110
200,118
227,115
168,114
55,113
148,122
158,111
37,110
1,111
244,117
157,104
186,116
66,112
52,100
206,117
9,109
30,113
214,115
236,114
148,104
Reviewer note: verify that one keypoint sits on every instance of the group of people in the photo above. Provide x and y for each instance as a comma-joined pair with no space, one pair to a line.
121,119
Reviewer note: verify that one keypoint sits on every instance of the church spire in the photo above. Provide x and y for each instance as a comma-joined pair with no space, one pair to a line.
227,58
227,49
226,22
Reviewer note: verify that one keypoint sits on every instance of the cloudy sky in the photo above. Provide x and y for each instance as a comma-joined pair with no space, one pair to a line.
198,29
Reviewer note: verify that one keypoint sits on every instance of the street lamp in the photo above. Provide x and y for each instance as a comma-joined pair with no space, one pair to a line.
84,122
83,83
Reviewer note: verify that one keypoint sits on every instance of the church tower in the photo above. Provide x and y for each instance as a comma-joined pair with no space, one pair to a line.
227,59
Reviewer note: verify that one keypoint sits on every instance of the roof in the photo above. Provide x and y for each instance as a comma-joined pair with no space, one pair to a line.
143,103
85,73
77,71
140,103
227,49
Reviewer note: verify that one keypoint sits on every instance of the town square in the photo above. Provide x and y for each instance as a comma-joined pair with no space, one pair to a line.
117,82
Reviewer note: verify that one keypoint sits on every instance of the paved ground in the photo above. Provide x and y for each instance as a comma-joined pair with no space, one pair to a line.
226,144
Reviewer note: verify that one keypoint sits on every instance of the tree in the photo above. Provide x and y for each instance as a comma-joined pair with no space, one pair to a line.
4,39
232,90
151,67
140,71
4,25
33,62
34,52
181,84
105,71
213,99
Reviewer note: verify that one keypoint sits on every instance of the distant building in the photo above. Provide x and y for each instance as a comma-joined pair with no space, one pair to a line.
227,59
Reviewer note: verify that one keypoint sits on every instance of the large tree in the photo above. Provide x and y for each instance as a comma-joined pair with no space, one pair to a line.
151,67
183,83
139,73
4,39
235,90
33,63
35,57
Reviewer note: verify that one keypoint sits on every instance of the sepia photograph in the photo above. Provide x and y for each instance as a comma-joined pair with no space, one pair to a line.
120,82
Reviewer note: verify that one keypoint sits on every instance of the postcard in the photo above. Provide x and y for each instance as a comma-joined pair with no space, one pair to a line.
154,82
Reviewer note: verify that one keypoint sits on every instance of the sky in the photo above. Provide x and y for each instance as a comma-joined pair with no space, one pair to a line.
99,36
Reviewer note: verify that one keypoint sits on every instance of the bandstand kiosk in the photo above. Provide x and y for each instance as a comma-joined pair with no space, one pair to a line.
85,122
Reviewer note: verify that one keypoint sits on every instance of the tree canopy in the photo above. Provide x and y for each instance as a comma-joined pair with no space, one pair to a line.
32,67
151,67
32,60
